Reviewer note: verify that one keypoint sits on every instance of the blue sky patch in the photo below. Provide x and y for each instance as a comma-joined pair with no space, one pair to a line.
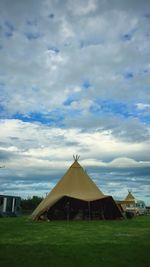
68,101
53,118
7,29
8,34
35,89
128,75
143,117
126,37
53,49
93,41
147,15
119,108
95,109
51,16
86,84
109,106
33,36
145,71
2,84
31,22
9,25
71,98
1,108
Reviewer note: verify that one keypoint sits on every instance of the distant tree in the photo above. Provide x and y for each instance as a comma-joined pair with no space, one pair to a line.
30,203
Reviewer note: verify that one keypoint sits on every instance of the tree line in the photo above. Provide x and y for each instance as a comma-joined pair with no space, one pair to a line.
29,204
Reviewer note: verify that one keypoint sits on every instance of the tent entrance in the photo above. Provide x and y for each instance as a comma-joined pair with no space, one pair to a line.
68,208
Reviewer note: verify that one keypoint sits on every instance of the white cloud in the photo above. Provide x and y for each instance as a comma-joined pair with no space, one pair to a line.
39,145
83,104
80,8
117,163
103,58
143,106
128,163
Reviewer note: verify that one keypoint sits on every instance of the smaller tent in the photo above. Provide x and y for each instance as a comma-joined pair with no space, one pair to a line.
130,197
132,204
76,196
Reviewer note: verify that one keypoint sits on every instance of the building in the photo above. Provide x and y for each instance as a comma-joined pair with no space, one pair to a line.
9,205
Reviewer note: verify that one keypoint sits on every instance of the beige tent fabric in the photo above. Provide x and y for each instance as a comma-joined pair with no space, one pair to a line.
130,197
76,184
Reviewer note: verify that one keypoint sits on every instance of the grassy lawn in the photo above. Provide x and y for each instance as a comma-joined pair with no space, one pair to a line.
79,243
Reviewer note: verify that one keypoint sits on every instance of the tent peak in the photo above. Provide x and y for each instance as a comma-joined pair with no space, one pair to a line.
76,157
130,196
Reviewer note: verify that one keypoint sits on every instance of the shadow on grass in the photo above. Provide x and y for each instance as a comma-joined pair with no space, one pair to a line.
87,255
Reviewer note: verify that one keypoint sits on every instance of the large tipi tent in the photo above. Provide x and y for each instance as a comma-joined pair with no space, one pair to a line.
76,196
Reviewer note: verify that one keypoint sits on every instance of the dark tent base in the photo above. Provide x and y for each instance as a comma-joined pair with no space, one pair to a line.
68,208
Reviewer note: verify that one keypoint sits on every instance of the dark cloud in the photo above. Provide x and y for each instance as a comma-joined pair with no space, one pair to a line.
13,138
7,155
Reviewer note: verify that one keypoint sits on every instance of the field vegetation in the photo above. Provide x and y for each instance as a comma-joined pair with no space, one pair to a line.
75,243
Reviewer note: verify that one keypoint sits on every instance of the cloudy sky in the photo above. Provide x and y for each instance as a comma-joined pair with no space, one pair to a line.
75,79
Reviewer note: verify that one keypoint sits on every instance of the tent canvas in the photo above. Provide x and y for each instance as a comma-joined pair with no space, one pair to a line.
77,191
130,197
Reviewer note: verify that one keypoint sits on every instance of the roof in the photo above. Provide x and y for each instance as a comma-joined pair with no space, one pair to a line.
76,184
9,196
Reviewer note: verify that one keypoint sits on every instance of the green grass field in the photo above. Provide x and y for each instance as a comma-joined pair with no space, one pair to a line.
77,243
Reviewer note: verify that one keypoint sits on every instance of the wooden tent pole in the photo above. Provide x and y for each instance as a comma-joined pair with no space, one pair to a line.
76,157
89,209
